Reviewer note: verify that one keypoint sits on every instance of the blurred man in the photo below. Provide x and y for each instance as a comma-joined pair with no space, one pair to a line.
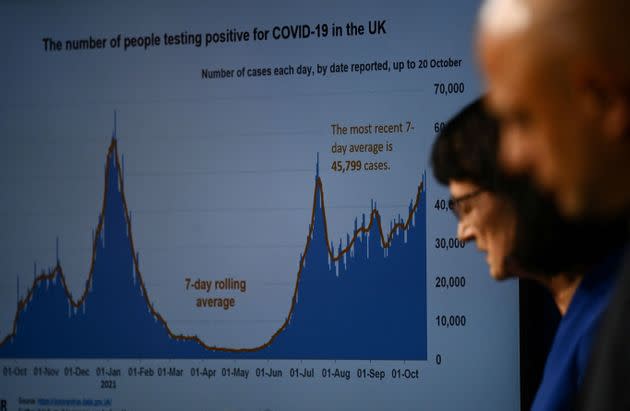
558,74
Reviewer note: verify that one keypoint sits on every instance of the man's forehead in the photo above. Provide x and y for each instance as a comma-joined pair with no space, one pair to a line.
505,17
512,65
504,72
504,50
517,16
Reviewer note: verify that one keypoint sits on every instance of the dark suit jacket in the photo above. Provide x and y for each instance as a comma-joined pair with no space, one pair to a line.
607,383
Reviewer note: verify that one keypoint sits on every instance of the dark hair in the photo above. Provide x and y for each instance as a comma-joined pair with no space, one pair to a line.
466,149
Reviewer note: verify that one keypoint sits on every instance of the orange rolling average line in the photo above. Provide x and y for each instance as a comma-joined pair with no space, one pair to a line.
113,150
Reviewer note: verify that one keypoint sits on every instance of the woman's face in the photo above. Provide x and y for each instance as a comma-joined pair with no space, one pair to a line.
489,220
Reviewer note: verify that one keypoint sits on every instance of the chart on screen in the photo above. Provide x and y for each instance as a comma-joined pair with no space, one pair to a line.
207,200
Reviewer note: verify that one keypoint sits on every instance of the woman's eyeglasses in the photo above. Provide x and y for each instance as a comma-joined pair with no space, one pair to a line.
459,204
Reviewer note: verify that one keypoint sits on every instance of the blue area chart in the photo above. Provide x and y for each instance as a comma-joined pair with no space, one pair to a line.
365,299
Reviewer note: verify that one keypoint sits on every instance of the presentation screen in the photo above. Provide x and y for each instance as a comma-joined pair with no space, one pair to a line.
229,206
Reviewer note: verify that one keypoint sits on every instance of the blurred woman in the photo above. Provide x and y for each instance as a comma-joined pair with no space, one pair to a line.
523,235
